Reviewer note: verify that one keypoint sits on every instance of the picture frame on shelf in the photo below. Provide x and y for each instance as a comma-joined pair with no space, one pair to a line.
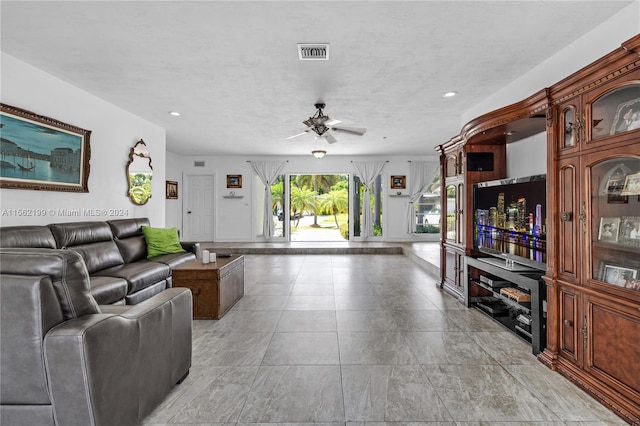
626,116
619,276
234,181
398,182
172,190
631,185
609,229
630,231
42,153
614,190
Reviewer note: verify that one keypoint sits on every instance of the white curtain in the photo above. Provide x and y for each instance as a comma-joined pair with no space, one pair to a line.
367,171
421,173
268,171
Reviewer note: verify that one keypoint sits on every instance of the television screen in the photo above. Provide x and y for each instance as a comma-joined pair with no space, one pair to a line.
510,219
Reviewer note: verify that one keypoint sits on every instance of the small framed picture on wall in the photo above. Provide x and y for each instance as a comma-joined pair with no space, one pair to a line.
398,182
172,190
234,181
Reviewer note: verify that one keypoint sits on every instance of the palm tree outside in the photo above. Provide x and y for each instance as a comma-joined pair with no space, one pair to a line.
326,198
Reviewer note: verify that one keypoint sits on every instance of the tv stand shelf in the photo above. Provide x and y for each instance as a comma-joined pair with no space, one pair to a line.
516,299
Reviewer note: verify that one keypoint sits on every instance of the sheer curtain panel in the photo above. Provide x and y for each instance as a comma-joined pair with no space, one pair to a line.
268,171
368,171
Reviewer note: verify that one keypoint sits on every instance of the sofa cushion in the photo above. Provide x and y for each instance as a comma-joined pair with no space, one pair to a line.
79,233
175,259
27,237
129,238
93,240
139,275
161,241
125,228
108,290
132,249
66,269
146,293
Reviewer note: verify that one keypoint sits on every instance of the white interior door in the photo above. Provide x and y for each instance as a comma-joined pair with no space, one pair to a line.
198,209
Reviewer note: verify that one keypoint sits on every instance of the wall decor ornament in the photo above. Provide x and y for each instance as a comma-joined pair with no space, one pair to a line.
42,153
139,174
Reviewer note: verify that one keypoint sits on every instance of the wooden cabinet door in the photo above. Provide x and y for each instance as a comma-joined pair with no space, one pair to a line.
451,165
612,112
569,128
570,342
567,218
612,350
453,281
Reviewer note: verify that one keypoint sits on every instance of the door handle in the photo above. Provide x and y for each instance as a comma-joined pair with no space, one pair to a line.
189,212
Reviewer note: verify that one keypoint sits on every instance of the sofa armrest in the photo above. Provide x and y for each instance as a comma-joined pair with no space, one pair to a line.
92,368
193,247
116,368
163,316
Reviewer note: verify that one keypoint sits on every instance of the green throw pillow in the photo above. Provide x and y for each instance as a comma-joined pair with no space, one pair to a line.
161,241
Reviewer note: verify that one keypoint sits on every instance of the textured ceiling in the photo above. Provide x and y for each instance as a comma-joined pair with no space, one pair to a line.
232,69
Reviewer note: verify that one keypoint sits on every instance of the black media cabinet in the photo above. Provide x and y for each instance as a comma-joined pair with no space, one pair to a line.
516,299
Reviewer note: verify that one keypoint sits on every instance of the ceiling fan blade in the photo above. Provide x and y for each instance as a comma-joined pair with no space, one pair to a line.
331,122
299,134
355,130
329,137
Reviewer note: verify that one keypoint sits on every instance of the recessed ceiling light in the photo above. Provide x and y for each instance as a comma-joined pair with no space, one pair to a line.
449,94
174,113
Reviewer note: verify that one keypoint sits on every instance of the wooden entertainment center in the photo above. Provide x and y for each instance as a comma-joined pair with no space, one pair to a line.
587,302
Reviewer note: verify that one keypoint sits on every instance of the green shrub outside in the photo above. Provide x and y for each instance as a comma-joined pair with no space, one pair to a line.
427,229
344,230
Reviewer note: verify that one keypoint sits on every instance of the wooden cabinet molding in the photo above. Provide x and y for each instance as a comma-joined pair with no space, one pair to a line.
616,64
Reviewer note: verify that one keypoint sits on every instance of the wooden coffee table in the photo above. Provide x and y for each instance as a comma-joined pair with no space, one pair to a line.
216,287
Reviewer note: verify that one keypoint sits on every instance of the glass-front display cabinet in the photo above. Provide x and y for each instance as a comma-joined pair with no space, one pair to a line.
452,210
615,224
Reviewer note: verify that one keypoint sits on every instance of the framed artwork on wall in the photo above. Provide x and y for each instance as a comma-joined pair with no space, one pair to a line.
42,153
398,182
234,181
172,190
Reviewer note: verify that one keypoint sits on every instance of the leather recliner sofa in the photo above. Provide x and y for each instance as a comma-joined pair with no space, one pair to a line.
115,254
65,360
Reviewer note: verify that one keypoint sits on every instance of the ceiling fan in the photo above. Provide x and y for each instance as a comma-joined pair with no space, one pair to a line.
320,124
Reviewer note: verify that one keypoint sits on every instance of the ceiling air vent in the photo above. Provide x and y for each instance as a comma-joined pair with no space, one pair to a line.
313,51
198,164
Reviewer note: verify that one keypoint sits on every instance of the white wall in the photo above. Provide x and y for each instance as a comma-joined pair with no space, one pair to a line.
113,133
527,157
600,41
235,220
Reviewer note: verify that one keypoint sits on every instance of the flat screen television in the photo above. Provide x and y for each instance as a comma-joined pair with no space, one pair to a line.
510,220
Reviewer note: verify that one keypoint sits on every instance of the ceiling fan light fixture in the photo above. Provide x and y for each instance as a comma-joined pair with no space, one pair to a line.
317,122
318,153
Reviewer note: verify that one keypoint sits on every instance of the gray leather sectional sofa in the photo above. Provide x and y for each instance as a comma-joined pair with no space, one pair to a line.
71,351
115,254
64,360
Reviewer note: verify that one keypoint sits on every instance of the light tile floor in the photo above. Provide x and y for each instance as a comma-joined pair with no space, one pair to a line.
364,339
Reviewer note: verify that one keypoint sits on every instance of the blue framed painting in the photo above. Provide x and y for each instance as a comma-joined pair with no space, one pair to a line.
40,153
